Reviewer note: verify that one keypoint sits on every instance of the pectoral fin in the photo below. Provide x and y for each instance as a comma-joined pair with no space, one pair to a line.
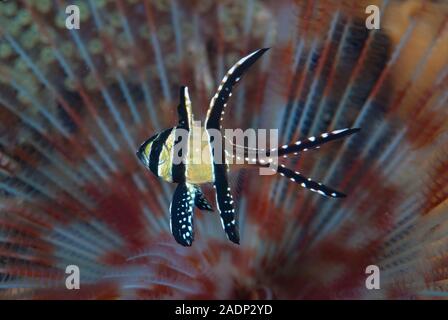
201,202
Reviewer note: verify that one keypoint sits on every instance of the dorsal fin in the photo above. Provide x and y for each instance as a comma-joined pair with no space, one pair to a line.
184,109
218,102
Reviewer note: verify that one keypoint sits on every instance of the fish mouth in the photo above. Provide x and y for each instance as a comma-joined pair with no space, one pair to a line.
141,156
141,151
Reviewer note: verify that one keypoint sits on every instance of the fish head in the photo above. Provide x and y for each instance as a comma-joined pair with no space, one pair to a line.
144,151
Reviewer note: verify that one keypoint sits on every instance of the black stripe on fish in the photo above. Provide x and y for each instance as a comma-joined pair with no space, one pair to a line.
218,102
156,149
179,154
181,211
181,137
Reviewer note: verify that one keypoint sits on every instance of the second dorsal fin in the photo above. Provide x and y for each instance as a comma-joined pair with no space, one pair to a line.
224,92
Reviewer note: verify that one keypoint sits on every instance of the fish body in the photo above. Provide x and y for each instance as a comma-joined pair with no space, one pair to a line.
180,155
198,169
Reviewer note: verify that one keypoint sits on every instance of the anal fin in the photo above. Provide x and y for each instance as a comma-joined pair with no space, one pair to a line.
224,202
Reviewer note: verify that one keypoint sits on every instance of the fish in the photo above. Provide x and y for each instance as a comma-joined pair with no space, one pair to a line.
75,106
157,154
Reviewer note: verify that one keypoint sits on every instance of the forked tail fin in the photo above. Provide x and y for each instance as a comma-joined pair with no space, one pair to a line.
307,183
299,146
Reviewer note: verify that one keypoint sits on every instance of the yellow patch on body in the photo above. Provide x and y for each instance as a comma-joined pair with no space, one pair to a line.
166,159
200,166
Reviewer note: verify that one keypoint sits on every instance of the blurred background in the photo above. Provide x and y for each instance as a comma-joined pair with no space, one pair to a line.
76,104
